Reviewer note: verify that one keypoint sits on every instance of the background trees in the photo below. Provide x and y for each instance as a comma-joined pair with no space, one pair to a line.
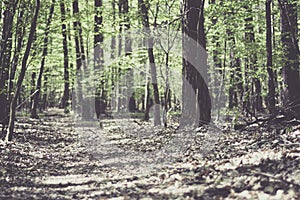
252,54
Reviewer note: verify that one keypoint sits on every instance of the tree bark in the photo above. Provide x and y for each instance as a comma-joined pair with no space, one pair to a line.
19,35
255,100
5,56
145,18
36,97
83,102
196,97
66,94
290,71
128,51
13,105
100,101
271,83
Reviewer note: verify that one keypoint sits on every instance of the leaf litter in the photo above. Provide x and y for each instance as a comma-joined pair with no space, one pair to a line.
52,159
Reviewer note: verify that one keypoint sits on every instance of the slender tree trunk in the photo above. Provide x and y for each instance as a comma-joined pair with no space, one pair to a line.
119,98
271,83
219,75
113,71
36,98
45,103
275,48
19,35
13,104
33,85
237,94
147,100
83,104
167,91
100,97
78,93
66,94
128,51
236,89
145,17
251,62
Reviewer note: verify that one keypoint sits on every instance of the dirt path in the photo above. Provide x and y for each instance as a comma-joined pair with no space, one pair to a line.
50,160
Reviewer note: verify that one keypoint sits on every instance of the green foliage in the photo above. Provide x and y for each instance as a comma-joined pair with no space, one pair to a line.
225,24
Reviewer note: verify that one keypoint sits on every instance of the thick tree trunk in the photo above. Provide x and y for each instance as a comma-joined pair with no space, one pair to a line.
5,56
290,71
196,97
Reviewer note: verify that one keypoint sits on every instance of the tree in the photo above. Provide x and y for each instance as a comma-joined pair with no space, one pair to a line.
290,70
196,97
81,65
5,56
128,51
271,82
13,104
36,98
100,105
66,95
236,87
145,18
251,64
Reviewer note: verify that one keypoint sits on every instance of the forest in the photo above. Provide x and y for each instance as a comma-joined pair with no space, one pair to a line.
154,99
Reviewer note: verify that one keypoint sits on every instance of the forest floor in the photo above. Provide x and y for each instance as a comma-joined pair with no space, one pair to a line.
55,158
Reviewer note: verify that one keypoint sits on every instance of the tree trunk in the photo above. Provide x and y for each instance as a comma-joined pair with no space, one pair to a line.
271,83
290,71
119,98
113,71
147,101
83,101
36,97
78,98
13,104
66,94
251,63
145,18
5,56
19,35
196,97
100,97
128,51
167,92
